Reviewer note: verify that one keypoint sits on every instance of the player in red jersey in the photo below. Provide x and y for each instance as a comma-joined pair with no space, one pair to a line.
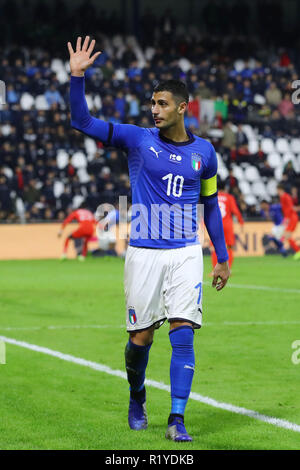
85,230
228,207
290,218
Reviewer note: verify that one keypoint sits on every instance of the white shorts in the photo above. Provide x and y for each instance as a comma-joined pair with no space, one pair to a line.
277,231
163,284
106,239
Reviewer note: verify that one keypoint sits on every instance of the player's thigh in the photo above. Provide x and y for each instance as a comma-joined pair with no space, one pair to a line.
183,295
291,227
229,235
84,230
143,283
79,233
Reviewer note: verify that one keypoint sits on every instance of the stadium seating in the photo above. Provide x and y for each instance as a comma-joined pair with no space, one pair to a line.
274,160
267,145
73,160
79,160
62,159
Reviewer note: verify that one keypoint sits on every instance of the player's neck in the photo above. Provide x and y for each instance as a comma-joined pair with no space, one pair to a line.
177,133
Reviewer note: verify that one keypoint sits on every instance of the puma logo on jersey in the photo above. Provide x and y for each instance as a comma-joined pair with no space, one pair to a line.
156,152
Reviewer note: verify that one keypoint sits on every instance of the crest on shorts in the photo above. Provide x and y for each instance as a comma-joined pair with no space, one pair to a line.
196,160
132,315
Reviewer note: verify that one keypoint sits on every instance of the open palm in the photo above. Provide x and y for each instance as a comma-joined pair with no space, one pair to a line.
81,59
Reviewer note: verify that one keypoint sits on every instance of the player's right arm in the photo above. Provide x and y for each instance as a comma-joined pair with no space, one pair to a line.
67,220
120,135
235,210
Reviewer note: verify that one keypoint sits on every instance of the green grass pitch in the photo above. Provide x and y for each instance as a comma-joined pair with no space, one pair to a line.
243,357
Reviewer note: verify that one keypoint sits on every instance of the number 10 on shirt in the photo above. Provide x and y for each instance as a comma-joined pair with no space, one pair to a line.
175,184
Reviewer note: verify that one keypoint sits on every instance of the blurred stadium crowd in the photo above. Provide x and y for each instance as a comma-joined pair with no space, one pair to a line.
240,99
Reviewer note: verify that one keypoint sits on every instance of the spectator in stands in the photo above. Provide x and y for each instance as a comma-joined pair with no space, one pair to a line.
134,106
289,174
108,106
273,95
276,122
190,120
120,104
265,169
229,136
286,105
6,205
268,132
11,96
107,70
116,162
31,193
231,182
202,91
115,118
241,138
53,96
247,91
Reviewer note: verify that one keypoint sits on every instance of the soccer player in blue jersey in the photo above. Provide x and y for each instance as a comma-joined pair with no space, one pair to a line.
170,169
273,212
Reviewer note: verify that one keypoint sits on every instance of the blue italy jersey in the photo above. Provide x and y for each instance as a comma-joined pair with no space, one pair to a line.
276,213
166,179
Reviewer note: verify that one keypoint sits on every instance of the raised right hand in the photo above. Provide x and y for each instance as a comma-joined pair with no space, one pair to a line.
81,59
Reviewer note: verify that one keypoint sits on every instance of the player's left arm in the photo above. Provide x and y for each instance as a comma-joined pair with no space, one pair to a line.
115,135
213,220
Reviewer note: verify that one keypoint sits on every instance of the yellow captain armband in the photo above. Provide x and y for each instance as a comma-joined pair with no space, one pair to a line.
209,186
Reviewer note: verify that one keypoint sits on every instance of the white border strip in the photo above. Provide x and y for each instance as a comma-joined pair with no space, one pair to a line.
281,423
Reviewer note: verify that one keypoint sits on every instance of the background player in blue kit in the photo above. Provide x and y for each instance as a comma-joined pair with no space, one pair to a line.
273,212
169,169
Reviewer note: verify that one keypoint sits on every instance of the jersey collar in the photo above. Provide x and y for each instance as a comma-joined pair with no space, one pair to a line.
178,144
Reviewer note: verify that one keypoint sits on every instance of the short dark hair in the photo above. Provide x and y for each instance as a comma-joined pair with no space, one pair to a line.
176,87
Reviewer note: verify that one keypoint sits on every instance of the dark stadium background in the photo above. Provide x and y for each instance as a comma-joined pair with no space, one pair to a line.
238,58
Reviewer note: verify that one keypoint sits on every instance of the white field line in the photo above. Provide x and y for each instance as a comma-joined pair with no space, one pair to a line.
281,423
255,287
78,327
